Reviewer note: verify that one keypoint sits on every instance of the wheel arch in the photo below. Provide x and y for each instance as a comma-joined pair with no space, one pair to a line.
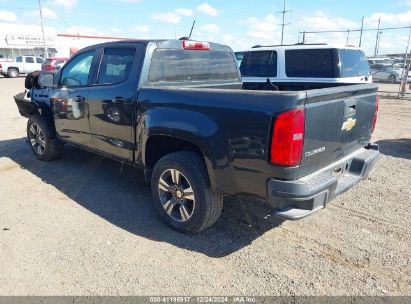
13,67
158,145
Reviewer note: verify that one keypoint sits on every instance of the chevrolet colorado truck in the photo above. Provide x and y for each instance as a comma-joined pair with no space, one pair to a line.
177,110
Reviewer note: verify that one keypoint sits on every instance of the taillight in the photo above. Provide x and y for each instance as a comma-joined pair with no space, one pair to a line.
287,138
196,45
377,101
1,66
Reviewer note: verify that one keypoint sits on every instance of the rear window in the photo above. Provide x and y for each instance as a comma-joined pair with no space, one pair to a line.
354,63
310,63
192,65
259,64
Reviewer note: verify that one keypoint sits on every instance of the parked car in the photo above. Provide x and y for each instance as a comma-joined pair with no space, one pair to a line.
392,73
22,65
177,110
380,60
288,66
53,64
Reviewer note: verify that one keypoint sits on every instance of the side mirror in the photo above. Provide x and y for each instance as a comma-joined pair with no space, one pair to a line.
46,80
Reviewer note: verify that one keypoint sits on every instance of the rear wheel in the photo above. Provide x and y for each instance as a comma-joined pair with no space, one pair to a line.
182,192
13,73
42,140
392,79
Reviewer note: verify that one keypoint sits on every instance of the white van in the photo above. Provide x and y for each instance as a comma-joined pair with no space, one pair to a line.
314,65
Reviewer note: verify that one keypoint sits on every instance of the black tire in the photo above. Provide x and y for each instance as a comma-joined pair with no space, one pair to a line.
44,143
206,204
392,79
13,73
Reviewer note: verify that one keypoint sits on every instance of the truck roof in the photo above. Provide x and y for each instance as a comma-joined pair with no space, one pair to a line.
161,43
303,46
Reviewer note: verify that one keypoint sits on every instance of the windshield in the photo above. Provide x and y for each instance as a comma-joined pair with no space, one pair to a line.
192,65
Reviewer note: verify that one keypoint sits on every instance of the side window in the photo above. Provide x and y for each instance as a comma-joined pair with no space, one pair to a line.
256,64
354,63
29,60
76,72
39,60
19,59
310,63
116,65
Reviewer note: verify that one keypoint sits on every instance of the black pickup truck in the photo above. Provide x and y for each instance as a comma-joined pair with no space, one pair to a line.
178,110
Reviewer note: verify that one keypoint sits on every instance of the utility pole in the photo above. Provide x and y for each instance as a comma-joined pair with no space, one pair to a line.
348,36
42,29
378,44
404,81
283,24
377,38
362,28
408,45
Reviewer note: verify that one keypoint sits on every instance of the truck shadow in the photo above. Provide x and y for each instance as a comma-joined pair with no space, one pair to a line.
121,196
396,147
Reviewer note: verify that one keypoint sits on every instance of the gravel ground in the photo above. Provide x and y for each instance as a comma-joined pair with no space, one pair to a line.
83,226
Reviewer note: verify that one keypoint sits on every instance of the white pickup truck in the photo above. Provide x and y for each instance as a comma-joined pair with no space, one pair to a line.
22,65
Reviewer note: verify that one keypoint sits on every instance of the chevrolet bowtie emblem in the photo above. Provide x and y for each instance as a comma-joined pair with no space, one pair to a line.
348,124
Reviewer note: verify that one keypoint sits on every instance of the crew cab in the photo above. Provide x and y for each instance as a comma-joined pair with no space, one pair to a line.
22,65
178,110
302,66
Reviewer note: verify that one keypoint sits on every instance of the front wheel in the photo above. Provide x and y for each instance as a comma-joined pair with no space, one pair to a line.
41,138
182,193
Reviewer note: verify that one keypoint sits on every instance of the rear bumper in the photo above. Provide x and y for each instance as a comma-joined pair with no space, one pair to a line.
297,199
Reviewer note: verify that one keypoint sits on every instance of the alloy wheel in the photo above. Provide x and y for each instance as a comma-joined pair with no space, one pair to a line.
176,195
13,73
37,140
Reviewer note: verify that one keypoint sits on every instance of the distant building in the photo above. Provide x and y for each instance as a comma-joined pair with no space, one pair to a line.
20,39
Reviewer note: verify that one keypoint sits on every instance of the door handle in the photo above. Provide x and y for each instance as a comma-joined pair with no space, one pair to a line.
119,99
79,99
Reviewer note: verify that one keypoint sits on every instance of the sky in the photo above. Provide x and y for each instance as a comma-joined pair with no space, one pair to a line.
240,24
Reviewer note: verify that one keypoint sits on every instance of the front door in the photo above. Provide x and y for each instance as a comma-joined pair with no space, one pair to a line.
70,101
112,100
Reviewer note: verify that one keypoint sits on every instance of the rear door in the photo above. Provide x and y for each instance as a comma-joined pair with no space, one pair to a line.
338,121
70,101
112,99
29,64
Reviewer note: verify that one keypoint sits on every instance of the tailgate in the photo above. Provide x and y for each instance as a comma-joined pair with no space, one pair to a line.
338,121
